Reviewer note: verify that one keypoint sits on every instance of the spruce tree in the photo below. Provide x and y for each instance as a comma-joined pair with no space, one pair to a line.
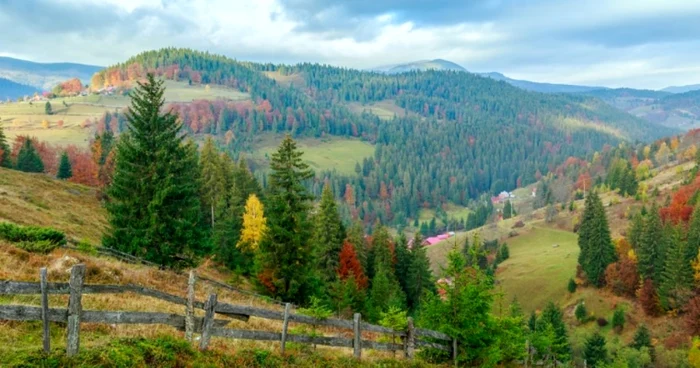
48,110
28,159
285,251
636,229
597,249
677,278
328,235
693,245
648,250
595,352
64,167
4,150
404,259
552,317
420,277
154,209
356,237
212,180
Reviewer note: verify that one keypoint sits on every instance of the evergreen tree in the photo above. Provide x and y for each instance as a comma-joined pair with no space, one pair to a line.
404,260
508,210
648,250
213,184
285,250
328,235
384,293
419,278
636,230
572,286
642,339
595,353
581,313
618,320
356,237
48,110
28,159
64,167
154,209
552,317
597,249
677,278
4,150
693,246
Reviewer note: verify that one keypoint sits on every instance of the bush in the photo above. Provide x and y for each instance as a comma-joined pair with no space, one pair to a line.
581,313
602,322
40,246
16,233
618,320
572,286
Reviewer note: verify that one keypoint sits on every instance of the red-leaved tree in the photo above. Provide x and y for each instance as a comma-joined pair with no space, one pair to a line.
692,316
649,299
350,266
622,277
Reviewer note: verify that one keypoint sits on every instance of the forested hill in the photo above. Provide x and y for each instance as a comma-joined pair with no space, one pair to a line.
450,136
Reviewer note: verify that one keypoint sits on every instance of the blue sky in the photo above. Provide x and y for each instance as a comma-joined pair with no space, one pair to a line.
640,44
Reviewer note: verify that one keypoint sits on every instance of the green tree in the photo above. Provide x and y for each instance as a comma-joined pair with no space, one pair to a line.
48,110
636,230
419,278
676,284
552,317
4,150
572,286
693,245
153,206
64,167
595,352
285,250
212,178
618,320
28,159
384,293
328,235
597,249
508,210
581,313
642,339
650,247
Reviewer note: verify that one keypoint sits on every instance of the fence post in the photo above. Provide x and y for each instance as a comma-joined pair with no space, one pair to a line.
410,341
45,310
189,309
208,322
285,325
454,351
357,342
75,308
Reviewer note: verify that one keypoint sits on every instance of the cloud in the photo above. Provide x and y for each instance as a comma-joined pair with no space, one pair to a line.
640,43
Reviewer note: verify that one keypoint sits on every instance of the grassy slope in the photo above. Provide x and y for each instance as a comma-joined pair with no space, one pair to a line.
338,154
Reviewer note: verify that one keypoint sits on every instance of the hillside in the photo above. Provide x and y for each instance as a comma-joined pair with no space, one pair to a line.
539,86
421,65
10,90
682,89
44,76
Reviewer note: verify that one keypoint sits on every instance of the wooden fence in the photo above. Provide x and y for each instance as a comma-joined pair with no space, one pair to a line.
411,339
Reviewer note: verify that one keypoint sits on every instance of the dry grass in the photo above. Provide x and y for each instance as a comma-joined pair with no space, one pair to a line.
36,199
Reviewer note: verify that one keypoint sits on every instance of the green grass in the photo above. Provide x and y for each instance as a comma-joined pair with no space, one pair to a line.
385,110
328,154
537,272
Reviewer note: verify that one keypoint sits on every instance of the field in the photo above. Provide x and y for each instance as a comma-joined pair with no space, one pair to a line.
540,265
24,118
329,154
385,110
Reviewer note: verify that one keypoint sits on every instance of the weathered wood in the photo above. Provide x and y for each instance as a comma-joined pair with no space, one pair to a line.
240,291
410,340
421,332
209,308
246,334
75,309
285,326
27,313
322,340
189,308
368,344
454,351
433,345
45,310
357,338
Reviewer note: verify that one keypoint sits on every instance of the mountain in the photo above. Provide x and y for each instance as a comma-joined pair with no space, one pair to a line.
682,89
11,90
675,110
539,87
421,65
44,76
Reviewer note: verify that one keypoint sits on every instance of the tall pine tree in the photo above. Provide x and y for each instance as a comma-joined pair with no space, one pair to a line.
419,279
4,150
213,183
597,249
285,250
649,247
328,235
154,209
693,245
677,277
28,159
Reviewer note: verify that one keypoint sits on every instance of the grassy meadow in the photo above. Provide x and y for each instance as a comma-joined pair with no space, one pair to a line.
385,110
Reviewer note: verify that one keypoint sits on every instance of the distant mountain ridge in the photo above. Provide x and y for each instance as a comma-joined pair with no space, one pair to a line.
44,76
540,87
682,89
420,65
11,90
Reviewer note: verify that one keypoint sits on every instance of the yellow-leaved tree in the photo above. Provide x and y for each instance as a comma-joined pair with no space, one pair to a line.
254,224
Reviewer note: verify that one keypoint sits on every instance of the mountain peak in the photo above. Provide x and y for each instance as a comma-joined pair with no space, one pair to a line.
420,65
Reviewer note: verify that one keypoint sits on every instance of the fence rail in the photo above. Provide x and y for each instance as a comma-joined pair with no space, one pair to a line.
208,326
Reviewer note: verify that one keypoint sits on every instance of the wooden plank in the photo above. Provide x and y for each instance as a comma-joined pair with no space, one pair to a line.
368,344
230,309
28,313
433,345
285,326
246,334
189,308
322,340
410,340
209,308
454,351
381,329
421,332
357,338
45,310
241,291
75,309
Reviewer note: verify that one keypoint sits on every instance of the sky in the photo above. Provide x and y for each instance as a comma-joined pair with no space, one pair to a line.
621,43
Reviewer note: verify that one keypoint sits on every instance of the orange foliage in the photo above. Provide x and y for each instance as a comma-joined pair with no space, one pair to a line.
692,316
649,299
71,87
350,266
584,181
622,277
85,170
679,210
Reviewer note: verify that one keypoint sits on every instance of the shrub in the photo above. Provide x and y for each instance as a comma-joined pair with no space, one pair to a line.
16,233
39,246
602,322
618,320
572,286
580,312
